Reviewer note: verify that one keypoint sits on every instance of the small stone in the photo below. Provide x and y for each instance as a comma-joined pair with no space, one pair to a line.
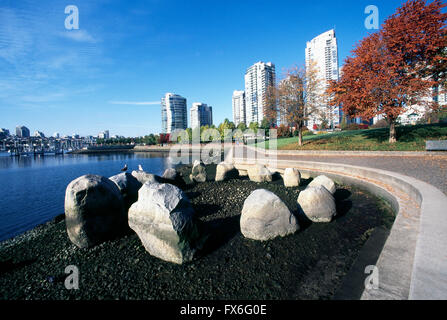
222,171
259,173
198,172
292,177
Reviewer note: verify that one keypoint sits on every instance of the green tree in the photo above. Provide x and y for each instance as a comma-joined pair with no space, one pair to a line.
254,126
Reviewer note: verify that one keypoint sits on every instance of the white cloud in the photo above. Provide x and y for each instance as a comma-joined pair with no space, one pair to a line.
79,36
136,103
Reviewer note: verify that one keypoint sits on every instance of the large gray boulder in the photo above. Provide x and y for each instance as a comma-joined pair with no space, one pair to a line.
144,177
259,173
265,216
170,174
223,170
318,204
163,220
94,211
291,177
128,186
325,182
198,172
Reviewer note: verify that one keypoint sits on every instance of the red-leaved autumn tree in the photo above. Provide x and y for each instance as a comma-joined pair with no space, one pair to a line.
396,67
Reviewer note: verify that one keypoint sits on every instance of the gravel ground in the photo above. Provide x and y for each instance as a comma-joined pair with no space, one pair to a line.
432,170
307,265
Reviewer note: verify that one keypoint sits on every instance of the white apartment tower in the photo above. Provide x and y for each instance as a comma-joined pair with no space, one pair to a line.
173,113
239,107
201,115
257,79
323,51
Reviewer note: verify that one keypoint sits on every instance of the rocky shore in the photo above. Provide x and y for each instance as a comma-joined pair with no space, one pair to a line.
309,264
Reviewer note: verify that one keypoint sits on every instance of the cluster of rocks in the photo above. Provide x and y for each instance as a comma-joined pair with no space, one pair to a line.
265,216
98,209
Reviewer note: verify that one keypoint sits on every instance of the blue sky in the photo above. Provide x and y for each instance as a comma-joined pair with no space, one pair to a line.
113,71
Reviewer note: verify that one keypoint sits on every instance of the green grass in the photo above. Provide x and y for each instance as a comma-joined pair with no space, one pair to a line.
409,138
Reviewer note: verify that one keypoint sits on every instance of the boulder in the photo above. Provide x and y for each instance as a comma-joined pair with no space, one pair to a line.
243,173
163,220
318,204
94,211
170,174
144,177
259,173
128,186
198,172
223,170
291,177
265,216
325,182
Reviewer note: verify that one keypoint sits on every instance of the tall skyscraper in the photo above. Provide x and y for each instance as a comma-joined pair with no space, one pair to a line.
173,113
201,115
257,79
239,110
22,132
323,52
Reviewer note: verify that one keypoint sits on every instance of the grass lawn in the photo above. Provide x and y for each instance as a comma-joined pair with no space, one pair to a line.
409,138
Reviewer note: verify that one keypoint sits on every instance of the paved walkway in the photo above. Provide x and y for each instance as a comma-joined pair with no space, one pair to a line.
430,169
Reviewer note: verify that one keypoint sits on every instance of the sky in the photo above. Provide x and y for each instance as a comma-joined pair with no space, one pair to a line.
111,73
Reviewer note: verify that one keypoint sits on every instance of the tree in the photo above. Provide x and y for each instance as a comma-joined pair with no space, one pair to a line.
270,108
265,125
241,126
226,125
254,127
395,68
298,96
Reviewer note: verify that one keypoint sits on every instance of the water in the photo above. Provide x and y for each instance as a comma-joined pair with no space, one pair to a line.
32,189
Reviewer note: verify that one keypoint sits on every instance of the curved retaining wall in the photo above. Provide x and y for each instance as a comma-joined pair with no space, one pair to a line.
413,262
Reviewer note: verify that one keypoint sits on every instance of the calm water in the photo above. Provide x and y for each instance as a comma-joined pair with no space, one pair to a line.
32,189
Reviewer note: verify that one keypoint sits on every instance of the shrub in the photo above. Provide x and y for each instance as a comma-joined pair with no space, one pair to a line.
380,124
308,133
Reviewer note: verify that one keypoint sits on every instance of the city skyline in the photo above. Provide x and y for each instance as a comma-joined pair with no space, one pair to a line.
100,77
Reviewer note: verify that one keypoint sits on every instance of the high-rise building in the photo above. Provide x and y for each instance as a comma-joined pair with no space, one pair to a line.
104,135
323,52
173,113
22,132
4,133
239,110
39,134
201,115
257,80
